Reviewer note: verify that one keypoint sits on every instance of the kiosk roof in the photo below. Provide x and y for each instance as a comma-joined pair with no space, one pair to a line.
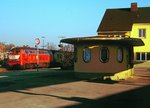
98,39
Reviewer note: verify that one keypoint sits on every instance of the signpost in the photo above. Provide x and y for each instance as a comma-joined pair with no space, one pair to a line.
37,42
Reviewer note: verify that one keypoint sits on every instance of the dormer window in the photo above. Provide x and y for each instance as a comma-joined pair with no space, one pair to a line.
142,33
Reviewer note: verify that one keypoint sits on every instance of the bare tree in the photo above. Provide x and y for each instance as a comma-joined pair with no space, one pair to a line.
67,47
51,46
6,47
1,47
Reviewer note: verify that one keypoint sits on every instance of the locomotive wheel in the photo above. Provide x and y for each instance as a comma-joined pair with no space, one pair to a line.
23,67
46,65
31,66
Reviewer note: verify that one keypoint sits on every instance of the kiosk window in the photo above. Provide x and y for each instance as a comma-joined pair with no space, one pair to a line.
120,55
104,55
87,55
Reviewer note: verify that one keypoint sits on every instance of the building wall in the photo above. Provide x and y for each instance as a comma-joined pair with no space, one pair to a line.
96,66
135,34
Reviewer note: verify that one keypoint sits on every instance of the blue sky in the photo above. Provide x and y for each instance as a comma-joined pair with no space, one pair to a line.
21,21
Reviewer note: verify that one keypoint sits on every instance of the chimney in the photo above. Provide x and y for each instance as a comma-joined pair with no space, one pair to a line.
134,7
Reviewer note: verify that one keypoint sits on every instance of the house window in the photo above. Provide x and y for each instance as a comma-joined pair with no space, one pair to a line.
104,55
120,55
142,56
138,56
148,56
142,33
87,55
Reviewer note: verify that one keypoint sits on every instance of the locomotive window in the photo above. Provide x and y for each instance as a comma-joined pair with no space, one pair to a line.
50,52
104,55
17,51
11,52
31,51
34,51
40,52
26,51
45,52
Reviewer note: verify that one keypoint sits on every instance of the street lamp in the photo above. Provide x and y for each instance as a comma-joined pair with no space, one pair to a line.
43,41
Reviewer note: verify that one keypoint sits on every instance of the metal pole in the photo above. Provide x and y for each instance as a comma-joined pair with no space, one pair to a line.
43,43
37,58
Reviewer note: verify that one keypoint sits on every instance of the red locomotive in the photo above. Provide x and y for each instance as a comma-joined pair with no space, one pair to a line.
26,57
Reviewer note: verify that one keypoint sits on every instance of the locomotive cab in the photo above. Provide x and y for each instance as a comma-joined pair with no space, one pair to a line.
13,58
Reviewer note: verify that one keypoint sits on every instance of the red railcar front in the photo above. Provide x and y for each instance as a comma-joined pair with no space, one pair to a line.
25,57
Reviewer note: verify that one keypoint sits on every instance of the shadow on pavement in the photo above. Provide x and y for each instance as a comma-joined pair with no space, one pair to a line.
11,81
137,98
25,80
107,81
78,99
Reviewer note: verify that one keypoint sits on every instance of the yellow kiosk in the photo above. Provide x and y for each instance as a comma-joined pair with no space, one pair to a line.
103,56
